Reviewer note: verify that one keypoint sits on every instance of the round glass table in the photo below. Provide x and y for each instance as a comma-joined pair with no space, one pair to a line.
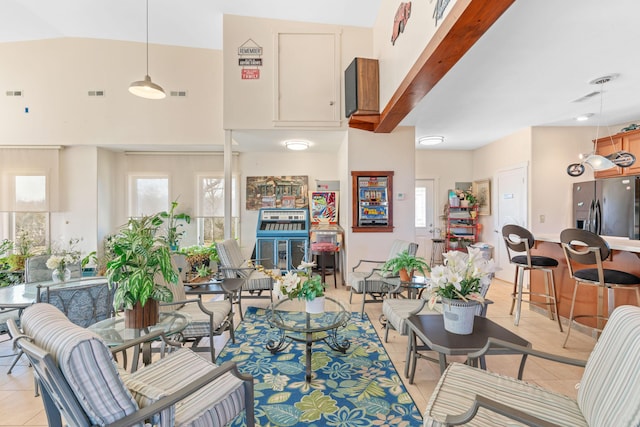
295,324
114,333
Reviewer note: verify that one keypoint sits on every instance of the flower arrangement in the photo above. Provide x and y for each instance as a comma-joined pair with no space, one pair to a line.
462,276
301,284
467,195
61,259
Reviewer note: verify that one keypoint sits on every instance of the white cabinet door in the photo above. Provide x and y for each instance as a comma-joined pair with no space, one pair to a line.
307,80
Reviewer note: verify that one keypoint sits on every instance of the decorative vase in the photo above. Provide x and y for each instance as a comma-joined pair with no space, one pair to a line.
315,306
458,315
142,316
474,214
61,275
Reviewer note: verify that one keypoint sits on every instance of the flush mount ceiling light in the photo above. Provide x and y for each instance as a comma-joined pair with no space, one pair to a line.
296,145
146,88
584,117
430,140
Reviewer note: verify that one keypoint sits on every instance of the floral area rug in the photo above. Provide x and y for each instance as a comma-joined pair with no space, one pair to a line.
358,388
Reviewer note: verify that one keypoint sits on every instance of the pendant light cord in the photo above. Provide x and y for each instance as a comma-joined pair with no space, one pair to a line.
147,37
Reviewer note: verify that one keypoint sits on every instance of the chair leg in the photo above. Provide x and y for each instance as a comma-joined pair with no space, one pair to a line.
547,297
516,320
515,291
555,299
15,361
573,303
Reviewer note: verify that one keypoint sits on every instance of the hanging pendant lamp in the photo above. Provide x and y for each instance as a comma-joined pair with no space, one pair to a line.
146,88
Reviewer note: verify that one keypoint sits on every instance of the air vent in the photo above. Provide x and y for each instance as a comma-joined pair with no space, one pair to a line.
14,93
587,96
178,93
96,93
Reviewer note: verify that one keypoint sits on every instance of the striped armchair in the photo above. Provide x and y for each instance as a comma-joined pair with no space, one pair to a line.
608,394
80,380
366,277
233,265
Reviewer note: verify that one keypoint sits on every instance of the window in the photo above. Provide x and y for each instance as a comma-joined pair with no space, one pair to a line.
148,195
210,218
421,207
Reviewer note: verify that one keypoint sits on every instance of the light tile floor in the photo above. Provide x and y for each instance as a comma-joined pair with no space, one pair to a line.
19,407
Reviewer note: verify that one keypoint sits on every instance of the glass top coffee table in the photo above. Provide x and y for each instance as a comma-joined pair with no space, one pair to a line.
114,333
295,324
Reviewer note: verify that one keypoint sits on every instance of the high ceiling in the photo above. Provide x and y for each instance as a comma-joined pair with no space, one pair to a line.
529,69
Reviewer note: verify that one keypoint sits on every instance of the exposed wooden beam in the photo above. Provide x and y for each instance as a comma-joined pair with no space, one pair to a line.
467,21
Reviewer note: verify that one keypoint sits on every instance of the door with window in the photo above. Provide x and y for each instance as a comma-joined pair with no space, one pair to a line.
426,220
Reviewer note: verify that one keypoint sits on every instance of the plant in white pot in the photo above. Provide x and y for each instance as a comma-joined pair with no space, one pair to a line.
139,255
301,284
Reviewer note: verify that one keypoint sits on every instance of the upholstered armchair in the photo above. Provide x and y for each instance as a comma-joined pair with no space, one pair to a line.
366,277
234,265
80,381
608,393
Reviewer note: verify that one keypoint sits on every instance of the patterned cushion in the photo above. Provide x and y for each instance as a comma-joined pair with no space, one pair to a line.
397,311
199,324
459,384
610,385
84,360
224,398
230,257
376,283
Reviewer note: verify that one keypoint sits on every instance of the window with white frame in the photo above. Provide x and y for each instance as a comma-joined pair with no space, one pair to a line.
148,195
210,219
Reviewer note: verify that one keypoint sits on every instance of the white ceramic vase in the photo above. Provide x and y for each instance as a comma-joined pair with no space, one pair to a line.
315,306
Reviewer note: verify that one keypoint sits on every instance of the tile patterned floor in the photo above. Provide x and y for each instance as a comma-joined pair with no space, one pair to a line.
19,407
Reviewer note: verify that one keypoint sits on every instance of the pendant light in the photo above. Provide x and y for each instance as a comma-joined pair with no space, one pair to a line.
146,88
596,161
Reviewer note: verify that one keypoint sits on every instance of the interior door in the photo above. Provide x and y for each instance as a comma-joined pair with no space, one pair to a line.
426,226
511,200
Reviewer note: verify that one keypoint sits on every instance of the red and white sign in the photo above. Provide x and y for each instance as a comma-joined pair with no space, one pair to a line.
250,73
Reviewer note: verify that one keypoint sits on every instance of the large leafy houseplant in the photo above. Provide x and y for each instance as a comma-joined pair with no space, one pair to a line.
174,224
139,256
407,262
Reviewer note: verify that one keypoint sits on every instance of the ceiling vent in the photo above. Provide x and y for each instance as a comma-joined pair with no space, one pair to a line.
179,93
14,93
96,93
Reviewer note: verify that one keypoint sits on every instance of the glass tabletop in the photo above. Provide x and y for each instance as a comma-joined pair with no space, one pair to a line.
290,315
113,332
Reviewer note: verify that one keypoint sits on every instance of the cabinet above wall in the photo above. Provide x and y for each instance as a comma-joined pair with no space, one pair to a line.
626,141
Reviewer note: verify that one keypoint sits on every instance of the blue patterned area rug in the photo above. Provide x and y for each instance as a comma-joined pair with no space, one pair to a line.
359,388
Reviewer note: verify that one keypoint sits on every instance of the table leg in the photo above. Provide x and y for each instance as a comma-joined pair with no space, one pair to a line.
411,338
308,356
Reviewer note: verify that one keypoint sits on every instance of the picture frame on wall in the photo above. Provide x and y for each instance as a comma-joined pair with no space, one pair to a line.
482,190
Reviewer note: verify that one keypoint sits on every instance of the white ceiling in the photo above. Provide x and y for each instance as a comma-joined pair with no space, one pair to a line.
526,71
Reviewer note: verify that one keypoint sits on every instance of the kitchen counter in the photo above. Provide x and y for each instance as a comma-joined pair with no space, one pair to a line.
625,256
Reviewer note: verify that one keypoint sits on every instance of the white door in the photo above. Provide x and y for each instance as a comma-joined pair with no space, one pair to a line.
511,201
426,225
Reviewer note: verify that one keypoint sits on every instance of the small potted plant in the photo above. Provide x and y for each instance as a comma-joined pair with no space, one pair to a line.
301,284
404,265
174,234
139,254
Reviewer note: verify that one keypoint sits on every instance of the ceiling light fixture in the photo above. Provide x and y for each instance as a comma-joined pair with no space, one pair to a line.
296,145
584,117
146,88
430,140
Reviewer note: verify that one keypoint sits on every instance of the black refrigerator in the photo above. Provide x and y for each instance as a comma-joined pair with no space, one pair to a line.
608,207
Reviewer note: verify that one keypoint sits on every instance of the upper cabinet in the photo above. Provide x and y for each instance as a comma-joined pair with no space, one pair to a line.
307,80
626,141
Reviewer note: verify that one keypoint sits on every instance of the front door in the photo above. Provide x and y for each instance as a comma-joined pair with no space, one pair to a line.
426,226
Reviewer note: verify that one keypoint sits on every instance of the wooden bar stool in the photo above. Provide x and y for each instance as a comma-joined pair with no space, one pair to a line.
588,249
437,248
520,240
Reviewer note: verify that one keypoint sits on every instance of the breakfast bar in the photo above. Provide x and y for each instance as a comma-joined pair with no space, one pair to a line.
625,256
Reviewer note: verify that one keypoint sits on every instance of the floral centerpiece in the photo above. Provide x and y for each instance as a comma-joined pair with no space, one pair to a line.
60,260
459,282
467,195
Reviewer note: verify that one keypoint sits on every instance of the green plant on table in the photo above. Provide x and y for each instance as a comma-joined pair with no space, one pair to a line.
406,261
173,224
204,271
301,284
139,254
200,255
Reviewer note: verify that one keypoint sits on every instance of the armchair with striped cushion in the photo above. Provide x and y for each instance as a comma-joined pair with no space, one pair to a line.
80,381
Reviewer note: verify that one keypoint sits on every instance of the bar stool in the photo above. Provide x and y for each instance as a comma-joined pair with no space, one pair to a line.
588,249
437,247
519,239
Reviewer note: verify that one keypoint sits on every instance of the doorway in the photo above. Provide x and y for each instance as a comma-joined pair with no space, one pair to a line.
511,198
427,225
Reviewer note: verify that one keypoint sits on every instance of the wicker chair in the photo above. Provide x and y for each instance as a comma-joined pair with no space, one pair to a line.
80,381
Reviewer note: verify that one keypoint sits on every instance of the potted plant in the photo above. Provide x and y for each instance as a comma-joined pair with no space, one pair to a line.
404,265
198,256
173,224
301,284
139,256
